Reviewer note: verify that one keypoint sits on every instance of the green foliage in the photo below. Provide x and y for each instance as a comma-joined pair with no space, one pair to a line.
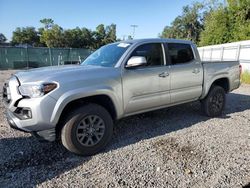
240,17
188,25
104,35
48,23
110,33
216,26
2,38
245,77
227,23
211,22
78,38
52,35
25,35
99,36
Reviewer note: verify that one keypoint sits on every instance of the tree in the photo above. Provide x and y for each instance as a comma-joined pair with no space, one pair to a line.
228,23
217,25
48,23
99,36
110,33
25,35
78,38
53,37
88,38
239,12
103,35
72,38
188,25
3,39
176,30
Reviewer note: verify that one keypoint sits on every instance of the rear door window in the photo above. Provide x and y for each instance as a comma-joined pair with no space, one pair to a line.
180,53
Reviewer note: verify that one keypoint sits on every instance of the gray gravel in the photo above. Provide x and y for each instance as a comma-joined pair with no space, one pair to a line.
174,147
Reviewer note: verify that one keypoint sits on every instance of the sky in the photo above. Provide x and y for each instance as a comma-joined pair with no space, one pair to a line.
151,16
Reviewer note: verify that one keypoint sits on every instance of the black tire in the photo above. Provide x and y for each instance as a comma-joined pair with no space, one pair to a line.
87,130
214,103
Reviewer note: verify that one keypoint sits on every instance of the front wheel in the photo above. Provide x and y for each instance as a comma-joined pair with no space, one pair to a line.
87,130
214,102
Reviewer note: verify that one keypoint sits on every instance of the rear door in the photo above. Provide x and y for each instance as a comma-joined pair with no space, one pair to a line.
186,73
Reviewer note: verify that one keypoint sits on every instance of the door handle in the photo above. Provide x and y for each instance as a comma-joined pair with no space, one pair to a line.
164,74
196,71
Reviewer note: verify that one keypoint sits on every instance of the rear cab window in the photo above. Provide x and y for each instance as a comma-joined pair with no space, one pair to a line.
180,53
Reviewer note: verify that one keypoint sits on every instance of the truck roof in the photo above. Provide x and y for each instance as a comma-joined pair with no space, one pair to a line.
158,40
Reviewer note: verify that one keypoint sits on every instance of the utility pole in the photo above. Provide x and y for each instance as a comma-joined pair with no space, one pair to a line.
134,26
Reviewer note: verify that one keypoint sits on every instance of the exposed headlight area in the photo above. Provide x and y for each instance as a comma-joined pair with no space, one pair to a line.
23,113
36,90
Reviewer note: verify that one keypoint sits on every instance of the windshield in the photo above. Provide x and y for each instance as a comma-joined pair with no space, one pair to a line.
107,56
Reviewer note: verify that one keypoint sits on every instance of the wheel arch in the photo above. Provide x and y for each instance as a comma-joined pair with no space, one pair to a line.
101,99
223,82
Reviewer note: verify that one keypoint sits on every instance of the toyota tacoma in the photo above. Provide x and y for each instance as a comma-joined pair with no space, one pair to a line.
78,104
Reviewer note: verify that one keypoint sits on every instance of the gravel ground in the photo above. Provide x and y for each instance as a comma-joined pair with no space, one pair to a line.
174,147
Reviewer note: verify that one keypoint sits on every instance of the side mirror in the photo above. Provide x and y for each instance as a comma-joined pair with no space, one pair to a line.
136,61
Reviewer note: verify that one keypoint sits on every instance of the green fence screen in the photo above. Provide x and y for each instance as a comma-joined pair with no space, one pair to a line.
19,58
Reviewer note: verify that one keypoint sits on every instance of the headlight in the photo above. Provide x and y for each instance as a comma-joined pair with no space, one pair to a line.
36,90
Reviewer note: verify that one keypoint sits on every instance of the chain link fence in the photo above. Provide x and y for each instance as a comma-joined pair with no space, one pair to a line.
21,58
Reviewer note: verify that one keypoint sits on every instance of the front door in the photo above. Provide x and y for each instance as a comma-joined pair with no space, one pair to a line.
146,87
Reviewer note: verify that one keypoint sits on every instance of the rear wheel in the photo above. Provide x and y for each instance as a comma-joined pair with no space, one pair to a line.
87,130
214,102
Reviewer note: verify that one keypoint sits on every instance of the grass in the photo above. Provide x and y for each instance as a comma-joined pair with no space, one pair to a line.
245,77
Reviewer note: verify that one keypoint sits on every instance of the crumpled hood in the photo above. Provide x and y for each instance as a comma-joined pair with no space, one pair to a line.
55,73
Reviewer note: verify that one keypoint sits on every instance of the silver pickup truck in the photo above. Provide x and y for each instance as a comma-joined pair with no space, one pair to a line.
78,104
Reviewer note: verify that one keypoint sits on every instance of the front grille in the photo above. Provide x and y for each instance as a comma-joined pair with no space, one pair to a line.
6,93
